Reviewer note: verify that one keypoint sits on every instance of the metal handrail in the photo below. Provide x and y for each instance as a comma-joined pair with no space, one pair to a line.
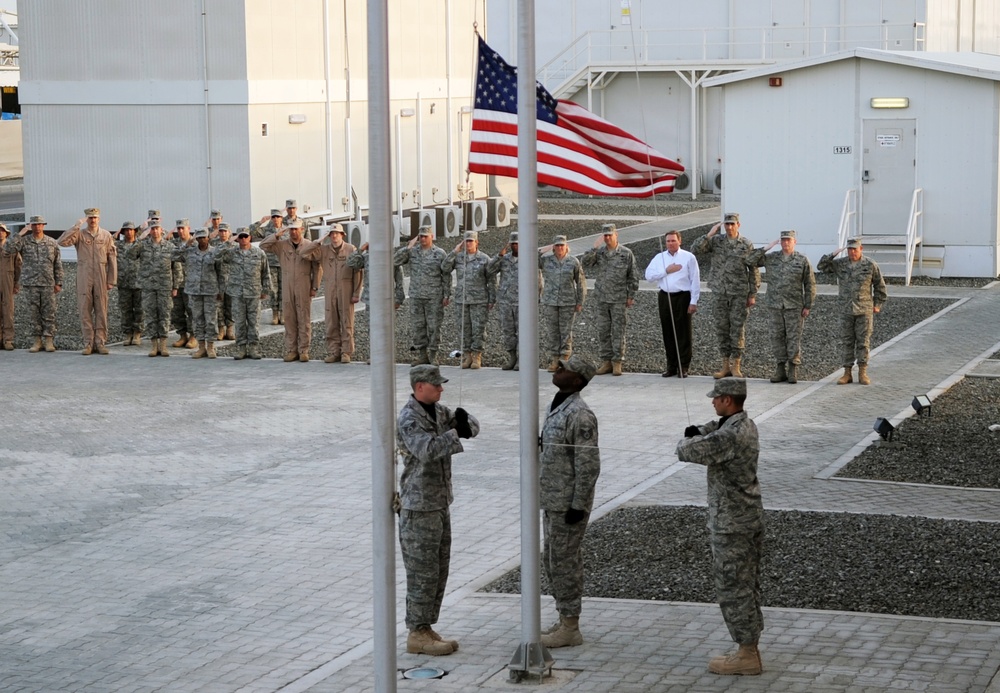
914,231
848,218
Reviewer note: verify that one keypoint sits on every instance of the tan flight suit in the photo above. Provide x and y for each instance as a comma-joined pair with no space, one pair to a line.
299,276
342,289
10,277
96,268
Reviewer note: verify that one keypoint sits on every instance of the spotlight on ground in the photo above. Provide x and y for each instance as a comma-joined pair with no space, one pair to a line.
922,405
884,429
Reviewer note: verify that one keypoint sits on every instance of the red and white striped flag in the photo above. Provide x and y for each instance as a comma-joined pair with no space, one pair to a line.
576,150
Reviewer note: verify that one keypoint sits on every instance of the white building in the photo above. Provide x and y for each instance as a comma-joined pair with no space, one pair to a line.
885,141
191,105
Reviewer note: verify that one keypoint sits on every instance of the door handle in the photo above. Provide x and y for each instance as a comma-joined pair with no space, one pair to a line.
865,178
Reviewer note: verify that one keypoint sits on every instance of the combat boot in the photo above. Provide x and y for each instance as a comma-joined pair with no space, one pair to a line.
419,357
446,641
281,318
604,369
8,345
192,343
210,350
137,338
241,353
274,317
345,358
510,362
182,340
421,641
566,635
846,377
616,368
477,360
553,366
201,353
221,333
745,661
230,332
254,351
304,356
49,345
37,346
102,350
553,628
87,350
162,341
291,356
155,351
863,378
332,358
791,373
724,372
467,359
737,373
779,373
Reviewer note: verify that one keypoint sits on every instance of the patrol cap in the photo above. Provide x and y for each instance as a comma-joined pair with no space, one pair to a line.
242,231
182,222
201,233
579,365
216,214
472,235
729,386
854,243
276,213
788,233
608,229
223,226
153,214
425,231
426,373
297,224
731,218
154,224
513,237
559,240
291,203
37,219
92,212
128,225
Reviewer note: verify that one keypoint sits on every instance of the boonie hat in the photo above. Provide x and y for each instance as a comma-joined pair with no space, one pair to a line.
578,364
732,218
729,386
37,219
788,233
426,373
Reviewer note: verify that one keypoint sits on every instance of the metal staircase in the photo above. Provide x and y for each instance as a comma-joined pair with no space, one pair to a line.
896,254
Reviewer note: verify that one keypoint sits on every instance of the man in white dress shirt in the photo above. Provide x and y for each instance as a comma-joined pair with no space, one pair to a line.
675,271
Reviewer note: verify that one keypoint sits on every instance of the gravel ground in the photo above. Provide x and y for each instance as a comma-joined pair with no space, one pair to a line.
952,447
868,563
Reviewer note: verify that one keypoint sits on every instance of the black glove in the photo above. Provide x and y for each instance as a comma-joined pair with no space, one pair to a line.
462,423
573,516
691,432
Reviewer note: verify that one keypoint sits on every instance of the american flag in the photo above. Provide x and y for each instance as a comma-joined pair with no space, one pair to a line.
576,150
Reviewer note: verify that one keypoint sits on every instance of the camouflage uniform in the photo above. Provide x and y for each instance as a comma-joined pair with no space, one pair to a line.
202,284
181,316
249,278
259,232
729,450
475,291
10,281
426,444
569,463
507,297
226,317
862,289
155,272
617,282
359,261
791,288
41,273
565,288
733,284
429,288
129,291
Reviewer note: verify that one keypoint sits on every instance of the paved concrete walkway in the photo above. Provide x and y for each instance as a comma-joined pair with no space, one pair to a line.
182,525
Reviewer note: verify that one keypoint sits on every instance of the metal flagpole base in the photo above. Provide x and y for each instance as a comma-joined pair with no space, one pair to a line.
530,664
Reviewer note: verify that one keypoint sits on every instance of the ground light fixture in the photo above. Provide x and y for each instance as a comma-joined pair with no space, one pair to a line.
424,673
922,405
884,429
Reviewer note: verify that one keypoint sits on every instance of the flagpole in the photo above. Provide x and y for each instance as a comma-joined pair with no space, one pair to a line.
383,393
531,661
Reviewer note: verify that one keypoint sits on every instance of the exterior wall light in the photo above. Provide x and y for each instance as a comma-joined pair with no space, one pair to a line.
890,102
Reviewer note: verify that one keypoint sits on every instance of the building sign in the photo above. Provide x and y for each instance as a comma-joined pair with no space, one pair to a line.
887,140
626,12
842,149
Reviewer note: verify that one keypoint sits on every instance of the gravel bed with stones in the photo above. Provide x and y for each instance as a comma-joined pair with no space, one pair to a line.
952,447
866,563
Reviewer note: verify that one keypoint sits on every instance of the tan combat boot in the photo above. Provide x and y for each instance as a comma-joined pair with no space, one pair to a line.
724,372
37,346
137,339
182,340
332,358
8,345
192,343
102,350
467,359
230,332
210,350
553,366
446,641
421,641
221,333
281,318
510,362
291,356
737,373
87,350
604,369
345,358
304,356
274,317
791,373
254,351
49,345
201,353
241,353
846,377
477,360
566,635
163,346
745,661
616,368
863,378
155,351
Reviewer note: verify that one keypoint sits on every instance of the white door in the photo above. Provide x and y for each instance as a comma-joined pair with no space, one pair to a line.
889,175
788,29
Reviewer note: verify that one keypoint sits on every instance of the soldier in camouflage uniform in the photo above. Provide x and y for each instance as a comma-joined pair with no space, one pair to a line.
153,258
226,321
96,273
505,264
247,283
475,295
359,261
41,279
430,292
862,293
259,231
10,285
734,289
729,448
616,284
129,293
562,298
181,316
568,464
203,286
791,290
427,435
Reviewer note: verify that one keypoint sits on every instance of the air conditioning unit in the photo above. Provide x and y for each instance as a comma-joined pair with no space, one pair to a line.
422,217
448,222
498,211
683,182
474,215
356,232
717,181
